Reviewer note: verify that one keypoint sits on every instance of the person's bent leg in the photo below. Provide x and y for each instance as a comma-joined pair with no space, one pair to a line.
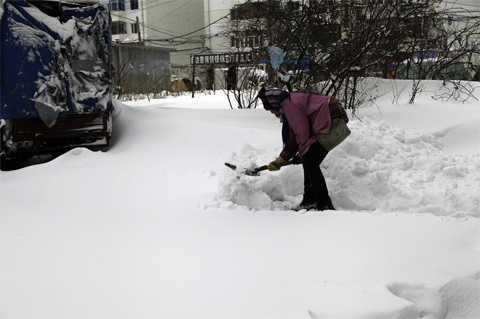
313,175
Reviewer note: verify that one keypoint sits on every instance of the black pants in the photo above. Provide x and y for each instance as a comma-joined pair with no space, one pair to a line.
315,188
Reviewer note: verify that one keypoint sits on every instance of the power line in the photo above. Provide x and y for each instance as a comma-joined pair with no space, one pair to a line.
173,11
145,6
142,24
456,3
172,37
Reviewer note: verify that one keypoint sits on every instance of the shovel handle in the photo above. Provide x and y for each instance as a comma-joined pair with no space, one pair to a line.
265,167
257,170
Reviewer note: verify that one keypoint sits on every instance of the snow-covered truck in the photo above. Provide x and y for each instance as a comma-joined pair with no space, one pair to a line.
56,80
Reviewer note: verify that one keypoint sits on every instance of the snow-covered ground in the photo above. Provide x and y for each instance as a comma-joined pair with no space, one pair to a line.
158,227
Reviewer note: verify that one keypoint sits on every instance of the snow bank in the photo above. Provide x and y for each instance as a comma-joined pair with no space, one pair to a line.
379,168
385,168
456,299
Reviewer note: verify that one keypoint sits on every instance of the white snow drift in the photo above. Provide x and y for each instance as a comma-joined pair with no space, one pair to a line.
158,227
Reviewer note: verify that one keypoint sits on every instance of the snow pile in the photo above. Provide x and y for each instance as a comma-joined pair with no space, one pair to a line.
384,168
268,191
456,299
379,168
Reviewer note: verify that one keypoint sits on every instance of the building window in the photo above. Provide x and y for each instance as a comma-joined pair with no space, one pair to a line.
117,5
240,40
253,41
254,10
133,4
119,27
133,27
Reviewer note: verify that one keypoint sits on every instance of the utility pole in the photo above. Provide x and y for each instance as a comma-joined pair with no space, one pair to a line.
139,33
193,78
143,17
214,79
348,6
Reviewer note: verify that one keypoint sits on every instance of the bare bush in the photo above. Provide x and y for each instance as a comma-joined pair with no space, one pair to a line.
344,41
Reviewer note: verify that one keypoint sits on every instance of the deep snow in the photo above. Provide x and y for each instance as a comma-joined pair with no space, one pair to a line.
158,227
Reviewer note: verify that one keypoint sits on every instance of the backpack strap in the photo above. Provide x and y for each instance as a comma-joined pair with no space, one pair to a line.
337,110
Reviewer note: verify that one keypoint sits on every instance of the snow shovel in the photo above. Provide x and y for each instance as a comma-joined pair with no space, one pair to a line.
256,171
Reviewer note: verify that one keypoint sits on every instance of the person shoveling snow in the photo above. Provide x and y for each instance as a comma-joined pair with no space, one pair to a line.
313,124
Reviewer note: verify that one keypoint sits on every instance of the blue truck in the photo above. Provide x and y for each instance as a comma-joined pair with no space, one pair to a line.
56,81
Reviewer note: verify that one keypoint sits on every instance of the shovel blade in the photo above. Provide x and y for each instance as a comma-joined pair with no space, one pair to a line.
248,172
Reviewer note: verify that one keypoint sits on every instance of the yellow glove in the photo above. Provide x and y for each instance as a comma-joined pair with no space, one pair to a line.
276,164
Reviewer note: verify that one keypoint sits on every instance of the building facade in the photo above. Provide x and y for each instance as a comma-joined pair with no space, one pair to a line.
187,27
175,25
217,19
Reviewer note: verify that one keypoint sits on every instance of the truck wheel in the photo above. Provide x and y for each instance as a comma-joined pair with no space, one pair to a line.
3,162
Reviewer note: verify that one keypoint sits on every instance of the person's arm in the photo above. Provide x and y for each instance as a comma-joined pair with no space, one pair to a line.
290,148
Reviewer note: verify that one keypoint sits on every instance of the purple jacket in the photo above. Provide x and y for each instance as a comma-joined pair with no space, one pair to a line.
307,115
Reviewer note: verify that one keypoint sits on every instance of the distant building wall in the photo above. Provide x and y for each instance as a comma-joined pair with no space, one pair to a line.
177,25
137,65
215,10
